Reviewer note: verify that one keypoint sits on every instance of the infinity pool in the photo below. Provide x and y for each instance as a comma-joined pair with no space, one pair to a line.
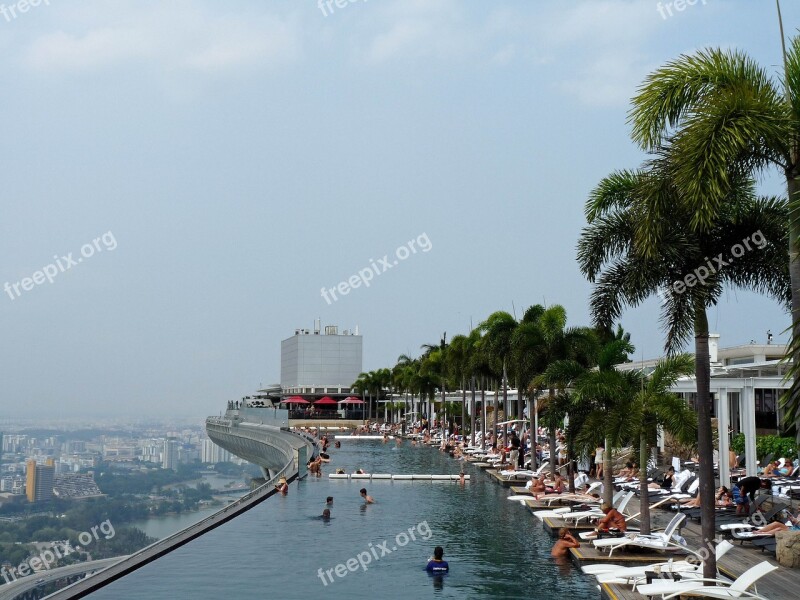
282,549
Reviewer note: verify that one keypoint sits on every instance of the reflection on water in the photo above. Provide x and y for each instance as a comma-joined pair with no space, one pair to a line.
283,549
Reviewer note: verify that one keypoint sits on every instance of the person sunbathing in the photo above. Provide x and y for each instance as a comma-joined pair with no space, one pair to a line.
669,479
558,487
724,497
536,486
626,471
690,502
613,519
769,470
792,523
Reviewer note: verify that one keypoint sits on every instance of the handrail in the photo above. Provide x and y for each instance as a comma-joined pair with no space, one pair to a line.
166,545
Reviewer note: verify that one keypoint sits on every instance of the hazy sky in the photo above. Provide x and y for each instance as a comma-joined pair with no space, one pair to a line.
233,158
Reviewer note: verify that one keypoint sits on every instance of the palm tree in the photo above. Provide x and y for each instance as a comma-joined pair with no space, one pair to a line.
363,386
633,406
726,116
596,394
558,342
457,368
630,254
499,330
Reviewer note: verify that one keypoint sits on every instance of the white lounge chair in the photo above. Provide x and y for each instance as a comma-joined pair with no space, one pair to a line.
654,541
528,474
588,514
634,575
721,589
576,497
558,513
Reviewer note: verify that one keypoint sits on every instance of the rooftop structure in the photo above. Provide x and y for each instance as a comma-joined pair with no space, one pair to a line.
322,363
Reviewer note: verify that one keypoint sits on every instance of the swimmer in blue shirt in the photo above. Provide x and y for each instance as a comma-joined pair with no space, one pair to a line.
437,564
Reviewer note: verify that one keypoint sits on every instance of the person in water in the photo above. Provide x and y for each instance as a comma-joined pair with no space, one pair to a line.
329,501
283,486
367,498
326,514
564,543
437,564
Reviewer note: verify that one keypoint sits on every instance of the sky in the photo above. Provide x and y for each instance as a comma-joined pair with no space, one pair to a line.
190,179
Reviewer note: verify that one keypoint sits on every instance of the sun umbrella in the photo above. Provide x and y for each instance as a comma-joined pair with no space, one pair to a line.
296,400
351,400
325,400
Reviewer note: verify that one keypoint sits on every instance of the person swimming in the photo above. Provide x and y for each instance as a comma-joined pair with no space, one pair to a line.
437,564
326,514
367,498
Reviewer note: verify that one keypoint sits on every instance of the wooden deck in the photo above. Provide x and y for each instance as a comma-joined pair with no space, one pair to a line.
552,526
494,474
783,584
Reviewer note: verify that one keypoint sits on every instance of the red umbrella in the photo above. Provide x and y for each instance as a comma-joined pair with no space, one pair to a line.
296,400
351,400
325,400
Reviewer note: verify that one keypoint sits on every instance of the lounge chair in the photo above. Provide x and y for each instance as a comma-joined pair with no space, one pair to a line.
721,589
635,575
596,512
576,497
559,513
655,541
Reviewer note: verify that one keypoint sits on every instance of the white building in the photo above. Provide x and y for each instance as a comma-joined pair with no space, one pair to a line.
746,384
169,459
321,363
211,453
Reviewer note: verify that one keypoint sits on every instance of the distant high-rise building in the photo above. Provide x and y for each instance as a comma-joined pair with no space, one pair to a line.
39,481
170,458
211,453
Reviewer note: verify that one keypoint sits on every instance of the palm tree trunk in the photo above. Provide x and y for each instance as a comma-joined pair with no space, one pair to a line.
483,416
463,407
472,413
794,273
570,472
505,407
705,445
551,431
608,477
532,435
495,410
644,509
793,189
